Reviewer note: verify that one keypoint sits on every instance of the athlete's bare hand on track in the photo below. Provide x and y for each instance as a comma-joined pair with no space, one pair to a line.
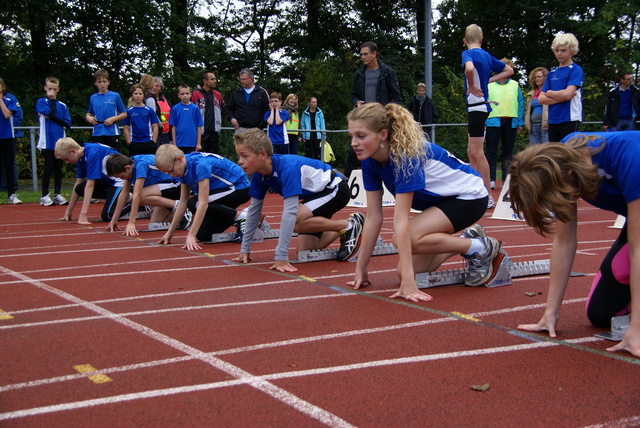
630,342
409,291
166,239
361,280
130,230
112,227
283,266
242,258
191,244
547,323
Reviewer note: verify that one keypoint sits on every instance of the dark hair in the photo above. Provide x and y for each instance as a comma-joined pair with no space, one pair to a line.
101,74
373,47
624,73
203,75
116,164
184,86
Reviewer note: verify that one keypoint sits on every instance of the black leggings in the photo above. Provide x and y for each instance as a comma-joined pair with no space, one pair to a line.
610,293
221,213
102,190
51,166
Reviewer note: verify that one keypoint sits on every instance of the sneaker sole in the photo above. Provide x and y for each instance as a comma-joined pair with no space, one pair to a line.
496,259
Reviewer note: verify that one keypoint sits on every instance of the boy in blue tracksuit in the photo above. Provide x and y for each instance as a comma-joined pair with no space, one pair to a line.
220,187
92,180
105,109
276,127
53,117
186,123
151,187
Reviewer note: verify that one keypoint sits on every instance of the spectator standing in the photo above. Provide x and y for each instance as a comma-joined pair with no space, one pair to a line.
536,115
276,128
505,120
186,122
312,119
248,103
105,109
165,111
478,65
53,117
17,121
622,105
8,107
422,108
562,90
140,125
293,124
374,82
210,103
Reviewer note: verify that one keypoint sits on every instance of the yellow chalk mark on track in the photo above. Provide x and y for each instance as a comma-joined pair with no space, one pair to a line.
5,316
307,278
465,316
97,378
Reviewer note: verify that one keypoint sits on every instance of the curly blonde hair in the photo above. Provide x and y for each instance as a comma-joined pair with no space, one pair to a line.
547,180
405,138
532,79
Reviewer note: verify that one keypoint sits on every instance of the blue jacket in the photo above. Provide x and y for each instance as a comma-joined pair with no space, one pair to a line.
305,123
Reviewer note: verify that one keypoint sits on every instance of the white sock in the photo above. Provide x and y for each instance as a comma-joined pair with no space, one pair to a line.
476,247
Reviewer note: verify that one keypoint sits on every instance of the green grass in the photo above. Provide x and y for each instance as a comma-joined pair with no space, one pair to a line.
27,195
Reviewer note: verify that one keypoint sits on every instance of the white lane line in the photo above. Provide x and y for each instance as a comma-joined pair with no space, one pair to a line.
243,376
278,376
290,342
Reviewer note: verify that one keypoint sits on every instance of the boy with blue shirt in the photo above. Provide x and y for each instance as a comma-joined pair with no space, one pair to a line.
186,123
276,127
562,90
105,109
8,107
151,187
140,125
219,185
92,180
53,117
313,192
478,65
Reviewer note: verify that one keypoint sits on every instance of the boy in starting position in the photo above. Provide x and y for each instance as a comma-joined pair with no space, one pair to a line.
312,193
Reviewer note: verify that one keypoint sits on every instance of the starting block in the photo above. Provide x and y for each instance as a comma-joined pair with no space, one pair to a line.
263,232
159,225
505,272
332,253
619,326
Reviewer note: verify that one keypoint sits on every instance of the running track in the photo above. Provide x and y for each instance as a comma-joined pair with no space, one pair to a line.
102,330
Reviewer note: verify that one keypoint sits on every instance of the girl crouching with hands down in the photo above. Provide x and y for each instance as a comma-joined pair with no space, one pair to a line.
423,176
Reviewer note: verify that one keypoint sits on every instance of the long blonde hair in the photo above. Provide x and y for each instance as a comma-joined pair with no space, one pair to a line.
547,180
405,138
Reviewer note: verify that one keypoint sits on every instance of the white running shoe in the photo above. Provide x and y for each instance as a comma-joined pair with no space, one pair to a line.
491,203
58,199
13,199
46,201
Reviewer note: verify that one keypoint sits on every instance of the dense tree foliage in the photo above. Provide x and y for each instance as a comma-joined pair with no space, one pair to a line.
309,47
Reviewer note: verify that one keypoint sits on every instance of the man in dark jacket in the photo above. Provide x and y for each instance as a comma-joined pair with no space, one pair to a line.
622,105
422,108
248,104
374,82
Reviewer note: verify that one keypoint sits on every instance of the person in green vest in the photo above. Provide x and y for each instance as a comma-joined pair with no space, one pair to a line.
293,124
505,120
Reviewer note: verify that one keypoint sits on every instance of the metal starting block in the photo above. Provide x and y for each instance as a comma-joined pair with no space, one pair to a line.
262,233
619,326
506,271
332,253
157,225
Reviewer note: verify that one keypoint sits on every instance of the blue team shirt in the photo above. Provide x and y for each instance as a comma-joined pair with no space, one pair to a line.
484,64
6,125
221,172
293,175
618,166
186,118
50,132
92,165
442,176
144,167
558,79
104,106
140,120
275,132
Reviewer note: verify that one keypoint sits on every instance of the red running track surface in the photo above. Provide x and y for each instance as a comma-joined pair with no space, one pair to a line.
183,338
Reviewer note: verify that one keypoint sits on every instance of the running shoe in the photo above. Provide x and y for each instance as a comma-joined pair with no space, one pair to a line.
350,238
46,201
474,231
493,184
480,265
491,203
13,199
58,199
185,222
240,224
